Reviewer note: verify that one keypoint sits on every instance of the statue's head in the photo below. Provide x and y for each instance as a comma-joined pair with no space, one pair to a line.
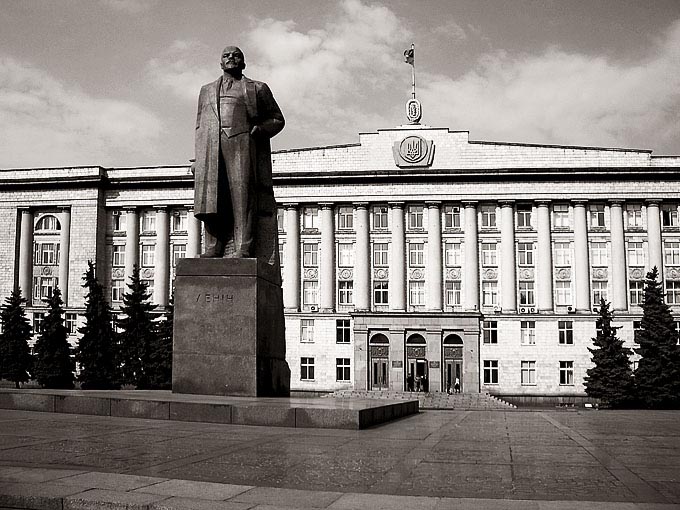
232,59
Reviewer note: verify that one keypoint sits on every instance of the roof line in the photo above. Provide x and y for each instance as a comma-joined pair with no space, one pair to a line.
321,147
557,146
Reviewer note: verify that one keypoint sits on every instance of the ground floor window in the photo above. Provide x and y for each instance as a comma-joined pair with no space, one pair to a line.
307,369
490,371
380,293
566,332
38,319
342,369
453,294
306,330
345,290
672,293
566,373
71,323
342,331
528,373
310,293
117,290
528,332
637,292
490,332
417,293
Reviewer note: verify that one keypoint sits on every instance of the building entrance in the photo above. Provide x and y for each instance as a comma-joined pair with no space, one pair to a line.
379,363
416,363
453,363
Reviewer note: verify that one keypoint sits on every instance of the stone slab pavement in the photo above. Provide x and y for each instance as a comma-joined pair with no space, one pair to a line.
434,460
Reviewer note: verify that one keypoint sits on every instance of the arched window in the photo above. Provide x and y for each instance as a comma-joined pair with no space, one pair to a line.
453,340
48,223
379,339
416,339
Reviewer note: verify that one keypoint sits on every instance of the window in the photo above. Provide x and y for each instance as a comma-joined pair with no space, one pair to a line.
671,250
634,215
71,323
489,255
563,293
306,330
599,292
415,217
46,254
565,332
345,218
117,290
637,329
38,319
490,332
345,254
342,331
526,294
282,254
148,255
566,373
672,293
490,371
636,254
148,221
528,332
310,254
179,251
149,287
280,219
416,293
528,372
310,218
637,292
524,216
118,221
48,223
416,254
635,365
562,254
489,293
452,253
525,252
669,216
597,216
310,293
345,290
380,293
43,286
179,221
342,370
380,215
488,216
561,216
598,254
380,251
307,369
452,293
118,255
451,216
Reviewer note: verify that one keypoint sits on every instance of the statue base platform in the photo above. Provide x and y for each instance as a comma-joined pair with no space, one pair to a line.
229,330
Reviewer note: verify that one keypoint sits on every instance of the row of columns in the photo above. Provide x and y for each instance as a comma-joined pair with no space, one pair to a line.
508,298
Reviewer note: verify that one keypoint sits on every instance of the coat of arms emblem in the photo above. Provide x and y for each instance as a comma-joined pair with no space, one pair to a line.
413,151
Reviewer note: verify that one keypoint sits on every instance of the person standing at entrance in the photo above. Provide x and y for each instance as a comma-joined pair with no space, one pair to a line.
456,385
409,382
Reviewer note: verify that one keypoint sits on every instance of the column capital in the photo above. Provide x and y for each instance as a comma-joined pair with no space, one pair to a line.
325,205
25,210
653,201
396,205
431,204
506,203
579,203
161,208
543,203
130,208
361,205
615,202
189,208
290,205
470,203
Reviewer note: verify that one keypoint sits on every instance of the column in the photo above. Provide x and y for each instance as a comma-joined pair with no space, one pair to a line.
131,241
64,249
433,278
544,264
26,254
362,260
161,274
291,267
507,265
471,269
617,264
194,235
397,285
654,237
327,260
581,265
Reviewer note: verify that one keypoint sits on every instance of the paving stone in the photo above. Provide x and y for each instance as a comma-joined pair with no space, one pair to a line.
36,496
382,502
174,503
193,489
107,499
288,497
35,475
113,481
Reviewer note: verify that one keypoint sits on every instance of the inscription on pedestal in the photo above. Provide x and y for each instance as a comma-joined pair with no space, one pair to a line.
214,297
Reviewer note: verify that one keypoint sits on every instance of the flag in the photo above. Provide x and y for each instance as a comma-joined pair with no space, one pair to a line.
409,56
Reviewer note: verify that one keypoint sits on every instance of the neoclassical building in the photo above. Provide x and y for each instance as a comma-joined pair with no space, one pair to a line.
415,250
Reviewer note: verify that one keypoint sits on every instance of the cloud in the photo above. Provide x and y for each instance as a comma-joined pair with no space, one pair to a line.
451,30
564,98
49,123
130,6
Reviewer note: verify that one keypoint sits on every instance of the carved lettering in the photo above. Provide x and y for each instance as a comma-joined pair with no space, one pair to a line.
214,297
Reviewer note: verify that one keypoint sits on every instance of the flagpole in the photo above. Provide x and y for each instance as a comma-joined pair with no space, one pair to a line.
413,71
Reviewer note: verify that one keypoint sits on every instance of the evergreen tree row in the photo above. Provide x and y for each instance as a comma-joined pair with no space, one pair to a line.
140,355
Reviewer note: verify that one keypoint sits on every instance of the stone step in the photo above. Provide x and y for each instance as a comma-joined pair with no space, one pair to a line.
433,400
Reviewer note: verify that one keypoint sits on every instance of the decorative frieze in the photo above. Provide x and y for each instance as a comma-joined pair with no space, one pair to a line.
636,273
147,273
526,274
380,351
345,274
600,273
491,274
453,273
563,274
118,273
672,273
417,274
415,351
381,273
453,352
311,273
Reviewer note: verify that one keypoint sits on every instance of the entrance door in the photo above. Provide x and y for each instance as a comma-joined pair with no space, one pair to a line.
379,374
449,374
459,372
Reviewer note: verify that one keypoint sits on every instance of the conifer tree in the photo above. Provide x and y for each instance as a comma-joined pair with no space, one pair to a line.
657,377
611,379
53,364
137,331
98,348
15,354
160,358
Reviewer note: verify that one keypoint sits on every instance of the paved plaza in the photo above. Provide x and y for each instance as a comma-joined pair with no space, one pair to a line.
437,459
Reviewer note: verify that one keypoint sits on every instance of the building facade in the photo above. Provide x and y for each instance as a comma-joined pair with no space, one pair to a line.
414,251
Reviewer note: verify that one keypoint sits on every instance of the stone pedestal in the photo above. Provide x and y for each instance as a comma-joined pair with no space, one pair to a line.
229,332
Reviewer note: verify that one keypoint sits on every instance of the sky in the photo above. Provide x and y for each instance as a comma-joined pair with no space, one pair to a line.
116,82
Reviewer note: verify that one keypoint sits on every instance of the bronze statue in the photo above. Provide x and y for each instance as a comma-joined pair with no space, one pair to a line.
233,194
